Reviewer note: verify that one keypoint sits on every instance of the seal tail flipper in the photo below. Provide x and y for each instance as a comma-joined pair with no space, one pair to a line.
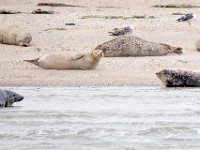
33,61
177,50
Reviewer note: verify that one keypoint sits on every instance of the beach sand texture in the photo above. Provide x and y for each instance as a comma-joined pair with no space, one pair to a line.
50,34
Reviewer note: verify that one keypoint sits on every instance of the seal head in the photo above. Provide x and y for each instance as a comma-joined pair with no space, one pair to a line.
25,41
7,98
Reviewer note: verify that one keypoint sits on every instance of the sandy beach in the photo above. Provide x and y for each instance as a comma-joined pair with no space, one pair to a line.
50,34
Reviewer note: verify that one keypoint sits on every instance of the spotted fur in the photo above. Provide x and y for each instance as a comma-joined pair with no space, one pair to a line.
179,78
135,46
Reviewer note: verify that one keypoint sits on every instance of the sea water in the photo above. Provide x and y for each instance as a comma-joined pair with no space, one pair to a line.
102,118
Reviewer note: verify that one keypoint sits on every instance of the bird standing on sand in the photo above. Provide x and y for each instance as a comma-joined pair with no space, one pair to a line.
121,31
188,18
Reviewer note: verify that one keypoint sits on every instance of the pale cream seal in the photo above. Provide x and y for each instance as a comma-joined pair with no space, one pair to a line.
62,61
15,36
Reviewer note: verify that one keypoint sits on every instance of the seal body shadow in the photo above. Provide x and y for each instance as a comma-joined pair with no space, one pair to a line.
15,36
7,98
135,46
179,78
65,61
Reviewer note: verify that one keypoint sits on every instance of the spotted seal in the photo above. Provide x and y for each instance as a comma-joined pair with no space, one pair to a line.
179,78
7,98
135,46
62,61
15,36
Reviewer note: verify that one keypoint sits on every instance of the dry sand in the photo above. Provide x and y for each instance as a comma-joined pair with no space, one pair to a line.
129,71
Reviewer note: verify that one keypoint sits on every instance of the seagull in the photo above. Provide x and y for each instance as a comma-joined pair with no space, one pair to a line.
121,31
188,17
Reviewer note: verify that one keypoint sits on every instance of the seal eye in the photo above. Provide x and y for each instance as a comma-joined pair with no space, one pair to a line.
14,95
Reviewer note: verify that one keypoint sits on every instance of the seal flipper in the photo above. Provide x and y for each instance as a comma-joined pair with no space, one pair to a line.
33,61
177,50
78,56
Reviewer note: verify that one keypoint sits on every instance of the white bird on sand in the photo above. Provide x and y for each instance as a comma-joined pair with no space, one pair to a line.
121,31
188,18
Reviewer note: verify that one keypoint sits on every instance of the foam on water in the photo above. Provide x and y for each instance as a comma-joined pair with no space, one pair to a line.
88,118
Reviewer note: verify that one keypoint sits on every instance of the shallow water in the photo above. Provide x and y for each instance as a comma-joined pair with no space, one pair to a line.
114,118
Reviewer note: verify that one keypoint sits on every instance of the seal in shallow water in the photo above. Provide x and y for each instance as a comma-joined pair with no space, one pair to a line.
179,78
7,98
135,46
65,60
15,36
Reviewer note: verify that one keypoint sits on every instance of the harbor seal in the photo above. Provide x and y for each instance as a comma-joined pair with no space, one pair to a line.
62,61
135,46
179,78
7,98
15,36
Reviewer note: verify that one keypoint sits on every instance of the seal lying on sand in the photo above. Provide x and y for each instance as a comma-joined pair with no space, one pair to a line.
179,78
65,60
15,36
134,46
7,98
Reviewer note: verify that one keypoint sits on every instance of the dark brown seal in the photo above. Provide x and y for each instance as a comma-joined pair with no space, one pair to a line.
135,46
179,78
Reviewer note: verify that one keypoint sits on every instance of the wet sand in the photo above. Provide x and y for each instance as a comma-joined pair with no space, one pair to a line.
87,34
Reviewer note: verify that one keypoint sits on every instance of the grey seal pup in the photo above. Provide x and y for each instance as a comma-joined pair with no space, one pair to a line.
179,78
134,46
7,98
15,36
66,60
